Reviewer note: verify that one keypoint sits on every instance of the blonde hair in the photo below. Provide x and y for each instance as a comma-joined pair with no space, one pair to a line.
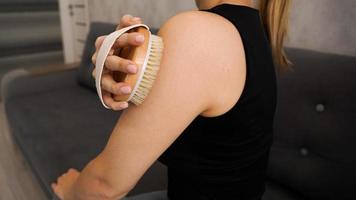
275,16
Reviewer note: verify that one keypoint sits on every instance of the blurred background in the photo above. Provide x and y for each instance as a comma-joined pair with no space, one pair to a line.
31,29
46,92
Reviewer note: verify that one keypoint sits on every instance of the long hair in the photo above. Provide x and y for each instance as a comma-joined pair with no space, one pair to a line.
275,16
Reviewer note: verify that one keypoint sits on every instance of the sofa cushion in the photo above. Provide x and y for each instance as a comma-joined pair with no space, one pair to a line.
274,191
314,148
60,125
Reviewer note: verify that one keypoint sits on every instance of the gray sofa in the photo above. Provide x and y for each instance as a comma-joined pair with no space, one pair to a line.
58,122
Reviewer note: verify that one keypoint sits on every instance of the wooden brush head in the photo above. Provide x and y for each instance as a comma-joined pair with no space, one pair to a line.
137,55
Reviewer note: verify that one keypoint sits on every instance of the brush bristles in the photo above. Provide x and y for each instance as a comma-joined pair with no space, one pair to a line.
150,74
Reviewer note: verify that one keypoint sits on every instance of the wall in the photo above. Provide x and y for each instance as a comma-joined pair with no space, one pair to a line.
30,34
153,12
322,25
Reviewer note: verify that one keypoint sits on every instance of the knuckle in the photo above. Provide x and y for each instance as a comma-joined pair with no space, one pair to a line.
126,17
132,36
117,108
107,62
111,52
104,84
120,63
93,58
123,39
113,88
99,40
115,63
107,102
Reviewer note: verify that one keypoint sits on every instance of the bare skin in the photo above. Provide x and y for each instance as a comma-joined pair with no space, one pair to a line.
115,63
202,72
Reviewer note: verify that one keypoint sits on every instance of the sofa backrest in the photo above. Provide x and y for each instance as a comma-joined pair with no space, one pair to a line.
314,150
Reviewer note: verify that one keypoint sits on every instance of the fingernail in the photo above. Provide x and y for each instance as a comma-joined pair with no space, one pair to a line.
132,68
124,105
140,38
126,90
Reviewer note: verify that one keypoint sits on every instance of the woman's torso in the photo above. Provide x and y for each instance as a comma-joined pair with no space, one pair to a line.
225,157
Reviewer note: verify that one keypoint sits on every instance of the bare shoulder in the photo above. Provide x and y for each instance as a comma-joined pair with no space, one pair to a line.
213,46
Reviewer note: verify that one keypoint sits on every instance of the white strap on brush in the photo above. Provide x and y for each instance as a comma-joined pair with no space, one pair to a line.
103,54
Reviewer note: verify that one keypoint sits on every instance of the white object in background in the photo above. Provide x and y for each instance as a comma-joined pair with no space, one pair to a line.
75,22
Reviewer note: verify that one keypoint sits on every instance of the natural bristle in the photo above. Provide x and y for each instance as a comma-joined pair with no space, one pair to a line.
149,76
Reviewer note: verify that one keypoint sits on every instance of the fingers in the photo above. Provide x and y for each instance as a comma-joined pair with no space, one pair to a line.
111,87
109,101
129,39
133,39
115,63
93,73
72,170
105,71
54,187
108,84
95,56
57,190
128,20
99,41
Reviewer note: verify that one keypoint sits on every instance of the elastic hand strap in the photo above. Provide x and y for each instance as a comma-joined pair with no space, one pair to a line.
103,54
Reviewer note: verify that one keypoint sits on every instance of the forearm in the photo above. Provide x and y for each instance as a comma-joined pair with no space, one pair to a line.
91,185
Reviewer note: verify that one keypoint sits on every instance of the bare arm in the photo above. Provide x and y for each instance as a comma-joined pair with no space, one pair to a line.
184,89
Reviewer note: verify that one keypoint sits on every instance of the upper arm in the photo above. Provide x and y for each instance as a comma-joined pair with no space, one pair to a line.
182,90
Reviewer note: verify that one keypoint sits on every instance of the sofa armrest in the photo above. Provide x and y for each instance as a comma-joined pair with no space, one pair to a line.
21,82
8,79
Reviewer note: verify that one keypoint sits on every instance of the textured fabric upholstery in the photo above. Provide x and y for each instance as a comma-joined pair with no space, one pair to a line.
58,124
314,150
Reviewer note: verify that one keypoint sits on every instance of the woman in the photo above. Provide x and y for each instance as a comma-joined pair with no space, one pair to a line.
209,116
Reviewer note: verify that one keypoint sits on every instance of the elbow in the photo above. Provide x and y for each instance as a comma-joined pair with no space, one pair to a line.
113,193
106,187
113,190
108,191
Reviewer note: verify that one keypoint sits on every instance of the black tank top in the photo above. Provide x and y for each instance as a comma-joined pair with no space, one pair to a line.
225,157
